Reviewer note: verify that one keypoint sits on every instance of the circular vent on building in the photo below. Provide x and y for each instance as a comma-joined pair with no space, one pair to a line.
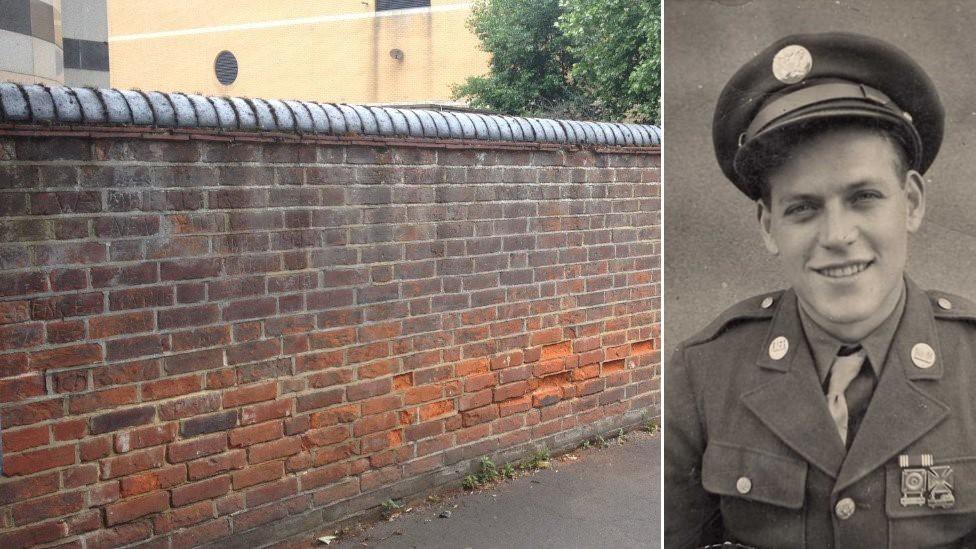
226,68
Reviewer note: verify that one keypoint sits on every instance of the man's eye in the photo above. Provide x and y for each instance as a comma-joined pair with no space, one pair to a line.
798,209
866,196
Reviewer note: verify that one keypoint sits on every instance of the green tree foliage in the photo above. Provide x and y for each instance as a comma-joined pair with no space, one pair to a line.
576,58
617,45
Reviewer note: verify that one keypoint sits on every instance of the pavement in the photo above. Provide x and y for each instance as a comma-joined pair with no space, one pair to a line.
593,497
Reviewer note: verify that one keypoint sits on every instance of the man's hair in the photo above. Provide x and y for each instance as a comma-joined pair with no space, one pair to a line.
778,150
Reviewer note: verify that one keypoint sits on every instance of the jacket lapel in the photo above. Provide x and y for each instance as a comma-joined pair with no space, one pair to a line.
792,404
901,411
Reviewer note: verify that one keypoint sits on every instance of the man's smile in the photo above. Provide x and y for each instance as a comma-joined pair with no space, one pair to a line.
843,270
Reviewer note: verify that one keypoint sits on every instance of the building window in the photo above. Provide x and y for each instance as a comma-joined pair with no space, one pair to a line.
386,5
226,68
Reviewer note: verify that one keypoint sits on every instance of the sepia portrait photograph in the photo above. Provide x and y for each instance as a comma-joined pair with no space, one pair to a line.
820,244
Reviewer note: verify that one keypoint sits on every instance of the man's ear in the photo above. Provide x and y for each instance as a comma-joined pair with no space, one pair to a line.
765,217
915,194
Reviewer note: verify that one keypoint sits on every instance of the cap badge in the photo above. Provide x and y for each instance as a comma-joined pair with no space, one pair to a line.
778,348
923,355
792,64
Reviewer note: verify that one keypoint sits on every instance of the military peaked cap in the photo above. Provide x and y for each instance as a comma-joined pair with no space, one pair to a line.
806,78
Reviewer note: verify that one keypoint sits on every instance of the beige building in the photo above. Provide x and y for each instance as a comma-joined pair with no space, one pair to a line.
54,42
356,51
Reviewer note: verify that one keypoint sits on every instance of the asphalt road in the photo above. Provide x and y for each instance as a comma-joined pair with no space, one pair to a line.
606,497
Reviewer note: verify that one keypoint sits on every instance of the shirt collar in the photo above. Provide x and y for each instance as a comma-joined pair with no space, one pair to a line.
876,344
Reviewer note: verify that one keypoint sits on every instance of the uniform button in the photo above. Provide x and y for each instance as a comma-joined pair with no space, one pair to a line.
743,485
845,508
766,303
945,303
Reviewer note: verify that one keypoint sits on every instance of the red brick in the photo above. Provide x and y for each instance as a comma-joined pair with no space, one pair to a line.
70,430
135,462
129,372
479,415
183,517
188,269
206,489
99,400
19,336
263,432
265,411
326,436
29,463
17,440
368,389
436,409
133,347
261,515
159,479
13,364
171,387
253,351
35,534
250,308
199,425
127,323
66,357
198,338
22,387
32,487
213,465
141,298
119,536
13,312
191,362
184,317
107,492
133,508
153,435
511,390
80,475
319,399
381,404
65,331
95,448
34,412
274,450
198,535
258,474
272,492
372,424
250,394
199,447
318,361
120,419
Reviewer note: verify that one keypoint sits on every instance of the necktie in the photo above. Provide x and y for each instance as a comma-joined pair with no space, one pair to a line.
844,369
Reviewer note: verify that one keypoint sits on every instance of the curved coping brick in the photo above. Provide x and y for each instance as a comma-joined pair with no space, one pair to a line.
37,104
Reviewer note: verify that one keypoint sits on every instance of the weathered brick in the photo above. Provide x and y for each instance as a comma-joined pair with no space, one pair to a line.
216,464
179,452
131,463
34,461
197,491
120,419
221,421
133,508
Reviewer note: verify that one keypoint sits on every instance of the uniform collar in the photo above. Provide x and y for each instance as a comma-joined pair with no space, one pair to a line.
824,346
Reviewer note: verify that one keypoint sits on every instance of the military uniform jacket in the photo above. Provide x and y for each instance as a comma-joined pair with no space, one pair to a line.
752,454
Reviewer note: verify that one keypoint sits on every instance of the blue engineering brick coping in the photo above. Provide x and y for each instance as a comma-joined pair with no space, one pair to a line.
63,105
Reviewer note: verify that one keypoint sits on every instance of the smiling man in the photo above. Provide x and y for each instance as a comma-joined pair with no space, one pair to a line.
842,411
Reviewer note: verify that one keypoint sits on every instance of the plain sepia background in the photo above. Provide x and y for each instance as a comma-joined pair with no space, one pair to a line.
713,251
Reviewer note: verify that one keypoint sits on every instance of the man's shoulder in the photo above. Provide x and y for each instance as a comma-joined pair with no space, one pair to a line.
947,306
756,309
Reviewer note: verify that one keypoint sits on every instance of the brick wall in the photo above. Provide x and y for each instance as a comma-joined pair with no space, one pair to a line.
203,334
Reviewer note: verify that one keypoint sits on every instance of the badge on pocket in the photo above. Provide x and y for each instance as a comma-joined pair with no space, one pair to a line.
924,483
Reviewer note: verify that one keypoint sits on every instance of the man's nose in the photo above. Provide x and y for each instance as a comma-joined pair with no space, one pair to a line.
838,228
